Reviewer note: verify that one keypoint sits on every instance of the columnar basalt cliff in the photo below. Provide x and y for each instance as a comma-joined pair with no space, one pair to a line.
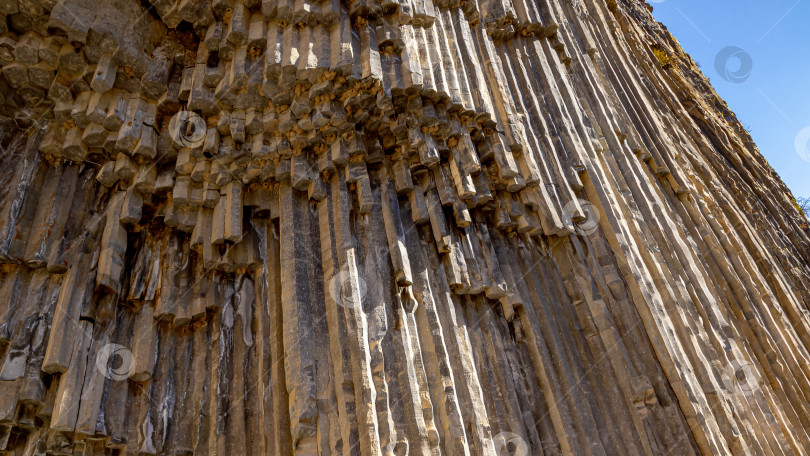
490,227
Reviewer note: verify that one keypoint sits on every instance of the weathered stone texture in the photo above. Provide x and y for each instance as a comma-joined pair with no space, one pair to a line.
240,227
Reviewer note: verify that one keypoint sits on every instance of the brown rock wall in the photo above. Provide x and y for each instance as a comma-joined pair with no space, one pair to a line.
238,227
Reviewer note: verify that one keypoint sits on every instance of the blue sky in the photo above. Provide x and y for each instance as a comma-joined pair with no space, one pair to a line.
770,91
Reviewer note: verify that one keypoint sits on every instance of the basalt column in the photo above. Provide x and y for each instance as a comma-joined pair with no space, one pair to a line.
372,228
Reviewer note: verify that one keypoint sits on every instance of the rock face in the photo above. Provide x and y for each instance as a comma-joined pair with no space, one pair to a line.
495,227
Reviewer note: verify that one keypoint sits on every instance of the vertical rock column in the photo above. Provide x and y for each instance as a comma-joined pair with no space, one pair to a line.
299,350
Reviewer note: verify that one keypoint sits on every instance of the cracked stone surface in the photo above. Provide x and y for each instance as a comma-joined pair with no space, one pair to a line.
368,228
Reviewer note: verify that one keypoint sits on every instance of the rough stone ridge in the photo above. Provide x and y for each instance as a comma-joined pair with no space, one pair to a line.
367,228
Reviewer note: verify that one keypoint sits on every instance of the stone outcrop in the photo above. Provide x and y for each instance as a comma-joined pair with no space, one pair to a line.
242,227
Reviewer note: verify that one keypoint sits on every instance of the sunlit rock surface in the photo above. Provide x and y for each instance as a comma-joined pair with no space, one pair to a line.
249,227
